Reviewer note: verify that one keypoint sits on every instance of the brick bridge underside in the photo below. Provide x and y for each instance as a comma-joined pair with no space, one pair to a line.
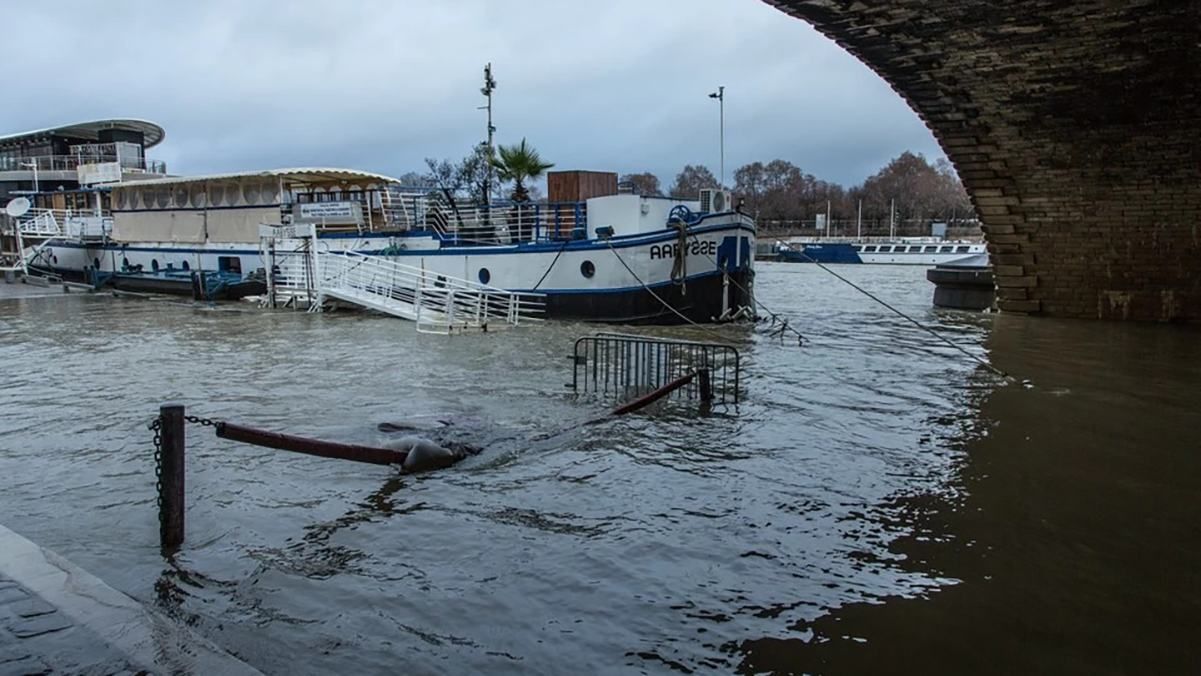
1076,128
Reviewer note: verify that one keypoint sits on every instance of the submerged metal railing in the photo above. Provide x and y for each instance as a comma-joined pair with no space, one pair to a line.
621,366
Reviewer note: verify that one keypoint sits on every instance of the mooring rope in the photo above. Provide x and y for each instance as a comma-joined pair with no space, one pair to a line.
662,302
911,320
679,264
745,292
552,264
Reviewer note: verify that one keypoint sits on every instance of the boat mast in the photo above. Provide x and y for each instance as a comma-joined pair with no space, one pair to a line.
486,90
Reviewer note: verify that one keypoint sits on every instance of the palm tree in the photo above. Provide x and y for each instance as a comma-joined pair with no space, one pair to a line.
519,163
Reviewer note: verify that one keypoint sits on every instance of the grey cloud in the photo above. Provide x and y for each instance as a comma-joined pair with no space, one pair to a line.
379,85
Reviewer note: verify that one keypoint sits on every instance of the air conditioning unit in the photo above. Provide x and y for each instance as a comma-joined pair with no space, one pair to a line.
715,201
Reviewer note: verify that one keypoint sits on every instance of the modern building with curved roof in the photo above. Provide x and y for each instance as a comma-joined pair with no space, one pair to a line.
148,134
68,156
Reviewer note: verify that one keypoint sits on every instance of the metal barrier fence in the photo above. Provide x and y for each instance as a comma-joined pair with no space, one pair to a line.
622,365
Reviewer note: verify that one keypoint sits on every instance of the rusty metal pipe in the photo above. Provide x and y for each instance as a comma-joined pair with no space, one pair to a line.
648,399
324,449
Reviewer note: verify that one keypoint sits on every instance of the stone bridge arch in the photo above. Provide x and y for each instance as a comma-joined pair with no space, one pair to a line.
1076,128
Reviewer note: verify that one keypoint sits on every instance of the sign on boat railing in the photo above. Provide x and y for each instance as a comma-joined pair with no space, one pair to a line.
290,231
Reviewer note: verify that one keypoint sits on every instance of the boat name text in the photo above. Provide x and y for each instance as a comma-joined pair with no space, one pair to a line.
693,248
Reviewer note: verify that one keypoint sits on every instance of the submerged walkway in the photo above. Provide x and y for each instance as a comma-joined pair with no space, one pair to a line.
57,618
18,289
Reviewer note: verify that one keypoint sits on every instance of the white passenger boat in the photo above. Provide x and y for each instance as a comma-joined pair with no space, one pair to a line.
612,258
902,251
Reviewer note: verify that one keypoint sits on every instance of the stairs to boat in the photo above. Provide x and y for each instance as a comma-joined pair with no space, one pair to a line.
437,303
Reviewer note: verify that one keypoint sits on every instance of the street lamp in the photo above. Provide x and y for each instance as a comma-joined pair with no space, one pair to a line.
720,95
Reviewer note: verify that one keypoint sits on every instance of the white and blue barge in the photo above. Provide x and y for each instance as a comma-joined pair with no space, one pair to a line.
616,258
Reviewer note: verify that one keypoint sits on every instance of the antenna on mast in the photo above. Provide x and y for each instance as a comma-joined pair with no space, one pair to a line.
486,90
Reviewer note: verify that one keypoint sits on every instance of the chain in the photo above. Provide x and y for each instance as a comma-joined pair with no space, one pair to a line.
157,428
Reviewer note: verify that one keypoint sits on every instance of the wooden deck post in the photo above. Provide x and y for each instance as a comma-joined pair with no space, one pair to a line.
171,478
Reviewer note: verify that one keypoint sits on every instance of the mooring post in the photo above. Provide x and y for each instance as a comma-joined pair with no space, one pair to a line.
704,385
171,477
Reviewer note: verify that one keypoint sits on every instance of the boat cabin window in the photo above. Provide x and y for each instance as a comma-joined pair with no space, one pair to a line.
931,249
944,249
915,249
962,249
229,264
869,249
857,247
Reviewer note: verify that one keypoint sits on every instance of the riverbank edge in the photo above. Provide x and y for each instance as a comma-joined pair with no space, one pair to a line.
143,636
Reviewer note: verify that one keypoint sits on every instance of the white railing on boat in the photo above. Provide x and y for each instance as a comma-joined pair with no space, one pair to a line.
65,163
46,223
301,272
438,303
460,222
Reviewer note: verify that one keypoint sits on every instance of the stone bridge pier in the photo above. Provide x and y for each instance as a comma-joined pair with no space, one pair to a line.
1076,128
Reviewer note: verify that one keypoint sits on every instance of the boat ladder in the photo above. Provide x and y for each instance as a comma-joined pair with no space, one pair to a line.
438,303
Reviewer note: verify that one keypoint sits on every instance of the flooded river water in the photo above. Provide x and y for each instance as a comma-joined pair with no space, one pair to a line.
876,503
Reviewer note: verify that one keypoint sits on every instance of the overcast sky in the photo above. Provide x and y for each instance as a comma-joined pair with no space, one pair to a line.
616,85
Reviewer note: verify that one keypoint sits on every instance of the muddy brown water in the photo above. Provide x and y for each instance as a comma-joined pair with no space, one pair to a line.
876,503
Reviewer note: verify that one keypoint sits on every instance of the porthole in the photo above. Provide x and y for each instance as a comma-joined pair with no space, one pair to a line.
587,269
181,197
485,276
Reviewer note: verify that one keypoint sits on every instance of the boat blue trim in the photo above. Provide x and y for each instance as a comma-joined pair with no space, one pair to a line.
621,242
186,275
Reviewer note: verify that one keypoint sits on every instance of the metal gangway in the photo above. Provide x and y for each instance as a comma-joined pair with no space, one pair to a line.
305,273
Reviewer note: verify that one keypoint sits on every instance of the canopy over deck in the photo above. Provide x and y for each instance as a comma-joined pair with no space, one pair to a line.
312,176
152,134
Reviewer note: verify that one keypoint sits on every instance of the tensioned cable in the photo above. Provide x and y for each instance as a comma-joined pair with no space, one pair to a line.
662,302
552,265
911,320
774,316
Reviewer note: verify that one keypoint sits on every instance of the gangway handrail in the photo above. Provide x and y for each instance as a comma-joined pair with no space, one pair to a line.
437,302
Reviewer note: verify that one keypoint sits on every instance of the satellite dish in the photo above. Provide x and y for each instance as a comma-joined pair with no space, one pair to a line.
17,207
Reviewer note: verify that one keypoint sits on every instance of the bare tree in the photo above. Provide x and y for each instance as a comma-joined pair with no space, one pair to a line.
921,191
645,183
692,180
